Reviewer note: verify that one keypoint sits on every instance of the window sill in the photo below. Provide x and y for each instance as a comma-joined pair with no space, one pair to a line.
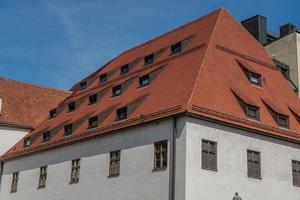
73,182
210,169
159,169
41,187
113,176
13,191
255,178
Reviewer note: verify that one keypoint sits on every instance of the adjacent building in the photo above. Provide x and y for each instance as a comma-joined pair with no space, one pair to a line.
201,112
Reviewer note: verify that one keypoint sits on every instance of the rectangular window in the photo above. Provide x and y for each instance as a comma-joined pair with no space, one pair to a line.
144,80
93,99
14,183
52,113
43,177
27,142
103,78
72,106
114,163
209,155
125,69
160,155
252,112
117,90
93,122
296,173
255,78
46,136
283,121
75,170
176,48
68,129
149,59
122,113
83,85
253,163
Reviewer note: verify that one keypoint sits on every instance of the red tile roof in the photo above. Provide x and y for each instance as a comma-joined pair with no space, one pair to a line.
200,81
26,105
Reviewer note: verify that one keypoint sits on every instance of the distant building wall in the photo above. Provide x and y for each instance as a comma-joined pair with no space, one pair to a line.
231,175
287,50
137,180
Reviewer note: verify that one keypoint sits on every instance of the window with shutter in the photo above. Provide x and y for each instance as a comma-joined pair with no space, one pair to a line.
209,155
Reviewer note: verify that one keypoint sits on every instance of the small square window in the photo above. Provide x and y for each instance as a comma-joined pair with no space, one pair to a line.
103,78
122,113
144,80
283,121
252,112
27,142
255,78
125,69
72,106
68,129
93,99
176,48
117,90
83,85
149,59
93,122
46,136
52,113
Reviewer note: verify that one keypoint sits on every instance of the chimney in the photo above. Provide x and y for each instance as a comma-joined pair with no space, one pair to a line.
257,26
286,29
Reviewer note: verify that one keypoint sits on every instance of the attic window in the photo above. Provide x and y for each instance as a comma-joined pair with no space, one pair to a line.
125,69
52,113
27,142
117,90
255,78
103,78
283,120
71,107
149,59
83,85
122,113
68,129
144,80
93,99
252,112
46,136
93,122
176,48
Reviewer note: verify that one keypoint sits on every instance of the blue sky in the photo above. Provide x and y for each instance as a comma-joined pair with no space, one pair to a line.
57,42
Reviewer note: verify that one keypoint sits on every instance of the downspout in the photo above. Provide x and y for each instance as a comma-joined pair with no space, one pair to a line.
1,172
172,160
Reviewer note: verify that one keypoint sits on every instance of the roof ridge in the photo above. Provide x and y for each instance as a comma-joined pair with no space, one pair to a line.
203,60
34,85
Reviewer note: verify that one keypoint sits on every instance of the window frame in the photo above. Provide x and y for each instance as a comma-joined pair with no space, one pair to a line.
124,69
71,106
119,113
162,152
251,154
103,78
94,100
83,85
296,173
286,119
114,163
208,154
255,75
68,129
143,78
27,139
14,182
91,120
75,171
52,113
116,88
44,133
254,109
176,48
149,59
42,177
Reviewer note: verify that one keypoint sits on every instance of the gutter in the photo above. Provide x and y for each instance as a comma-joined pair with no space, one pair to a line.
15,125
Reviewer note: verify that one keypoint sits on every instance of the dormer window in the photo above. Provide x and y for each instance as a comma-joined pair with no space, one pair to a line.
125,69
176,48
68,129
93,99
52,113
46,136
144,80
93,122
283,121
83,85
117,90
149,59
103,78
252,112
254,78
72,106
27,142
122,113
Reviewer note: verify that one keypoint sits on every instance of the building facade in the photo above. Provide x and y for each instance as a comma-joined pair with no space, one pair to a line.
192,114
